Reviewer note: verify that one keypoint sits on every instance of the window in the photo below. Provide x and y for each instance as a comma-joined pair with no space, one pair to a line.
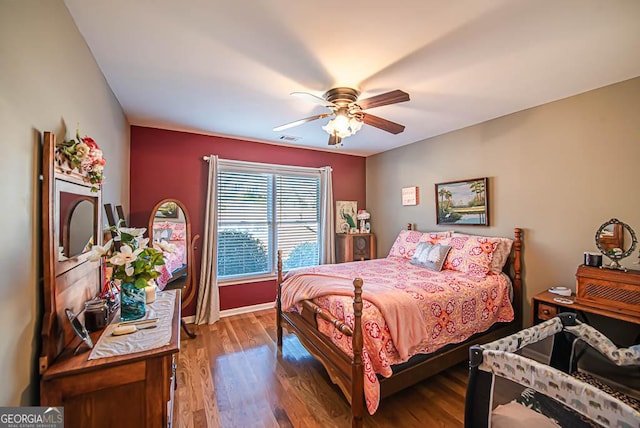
263,208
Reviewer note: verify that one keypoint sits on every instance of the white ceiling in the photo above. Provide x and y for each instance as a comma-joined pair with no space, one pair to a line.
226,67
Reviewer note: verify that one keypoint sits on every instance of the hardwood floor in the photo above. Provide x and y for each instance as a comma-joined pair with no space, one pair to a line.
232,375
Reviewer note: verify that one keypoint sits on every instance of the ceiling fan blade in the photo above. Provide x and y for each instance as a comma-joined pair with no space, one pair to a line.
334,140
301,121
387,98
384,124
314,98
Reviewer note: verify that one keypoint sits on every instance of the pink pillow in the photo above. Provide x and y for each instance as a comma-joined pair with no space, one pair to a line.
469,254
501,251
178,232
407,241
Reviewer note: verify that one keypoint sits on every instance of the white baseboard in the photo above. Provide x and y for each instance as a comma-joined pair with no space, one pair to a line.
247,309
236,311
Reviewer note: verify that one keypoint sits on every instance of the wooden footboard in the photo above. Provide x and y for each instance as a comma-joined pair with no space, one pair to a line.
345,372
348,373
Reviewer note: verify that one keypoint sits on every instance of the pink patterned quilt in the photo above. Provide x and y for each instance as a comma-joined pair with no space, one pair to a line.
172,261
428,309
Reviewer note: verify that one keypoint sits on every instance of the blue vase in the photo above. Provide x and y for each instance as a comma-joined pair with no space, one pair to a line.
133,302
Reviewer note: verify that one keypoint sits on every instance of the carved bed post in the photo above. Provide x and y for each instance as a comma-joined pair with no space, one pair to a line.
517,275
279,300
357,369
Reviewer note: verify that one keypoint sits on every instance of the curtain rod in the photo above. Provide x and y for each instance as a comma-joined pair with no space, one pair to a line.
240,163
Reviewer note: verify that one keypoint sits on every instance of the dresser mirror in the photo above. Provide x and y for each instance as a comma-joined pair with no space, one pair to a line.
616,240
75,223
76,228
79,236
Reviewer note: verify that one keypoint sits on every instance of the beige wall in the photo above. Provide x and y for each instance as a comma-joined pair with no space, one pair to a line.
558,171
49,81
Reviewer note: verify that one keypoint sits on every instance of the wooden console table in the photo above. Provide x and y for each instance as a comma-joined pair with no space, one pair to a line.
134,390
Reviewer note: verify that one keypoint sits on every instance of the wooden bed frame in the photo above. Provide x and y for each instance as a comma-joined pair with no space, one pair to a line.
348,373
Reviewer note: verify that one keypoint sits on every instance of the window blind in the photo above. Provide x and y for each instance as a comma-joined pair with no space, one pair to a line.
298,201
260,211
244,214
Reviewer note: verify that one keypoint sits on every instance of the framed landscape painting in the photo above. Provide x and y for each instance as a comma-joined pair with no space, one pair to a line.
463,202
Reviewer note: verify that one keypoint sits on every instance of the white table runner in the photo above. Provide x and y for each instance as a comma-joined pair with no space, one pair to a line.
142,340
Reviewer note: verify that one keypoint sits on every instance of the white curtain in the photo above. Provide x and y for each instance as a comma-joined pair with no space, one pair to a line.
327,229
208,308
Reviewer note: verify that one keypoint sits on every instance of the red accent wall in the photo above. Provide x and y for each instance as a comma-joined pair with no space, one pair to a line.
168,164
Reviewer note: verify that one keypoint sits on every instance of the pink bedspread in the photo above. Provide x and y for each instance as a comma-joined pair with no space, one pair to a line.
172,261
428,311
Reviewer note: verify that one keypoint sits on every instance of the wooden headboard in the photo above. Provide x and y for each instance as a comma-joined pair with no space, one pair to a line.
68,281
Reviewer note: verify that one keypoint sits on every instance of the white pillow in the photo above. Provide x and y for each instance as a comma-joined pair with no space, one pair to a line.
430,256
407,241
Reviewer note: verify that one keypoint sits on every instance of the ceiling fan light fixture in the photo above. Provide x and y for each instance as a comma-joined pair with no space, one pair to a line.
343,125
355,124
334,128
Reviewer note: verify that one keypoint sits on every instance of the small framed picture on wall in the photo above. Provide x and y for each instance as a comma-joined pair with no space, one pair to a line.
346,212
410,196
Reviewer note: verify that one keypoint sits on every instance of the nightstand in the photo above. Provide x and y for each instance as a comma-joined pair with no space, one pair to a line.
355,246
543,307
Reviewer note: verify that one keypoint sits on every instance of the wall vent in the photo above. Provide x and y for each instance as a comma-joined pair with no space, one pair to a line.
290,138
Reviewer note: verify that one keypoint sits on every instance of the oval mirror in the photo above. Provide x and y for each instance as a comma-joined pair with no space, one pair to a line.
170,229
616,240
170,226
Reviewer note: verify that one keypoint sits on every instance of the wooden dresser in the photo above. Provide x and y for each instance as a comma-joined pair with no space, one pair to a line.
610,289
134,390
352,247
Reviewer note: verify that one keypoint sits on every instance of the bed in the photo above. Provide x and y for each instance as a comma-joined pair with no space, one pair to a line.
557,393
370,344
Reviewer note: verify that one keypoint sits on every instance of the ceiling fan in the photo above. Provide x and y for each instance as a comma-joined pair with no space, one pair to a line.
348,113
